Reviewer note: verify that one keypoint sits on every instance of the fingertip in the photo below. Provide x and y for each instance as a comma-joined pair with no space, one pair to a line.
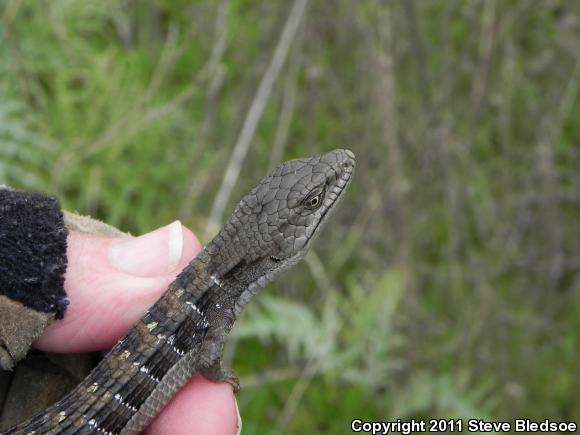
191,246
200,407
106,301
152,254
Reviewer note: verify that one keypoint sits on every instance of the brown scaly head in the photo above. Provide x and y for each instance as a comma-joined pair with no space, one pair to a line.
281,216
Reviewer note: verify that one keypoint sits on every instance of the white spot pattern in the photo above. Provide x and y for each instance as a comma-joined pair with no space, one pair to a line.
177,351
94,387
194,307
93,425
119,398
170,341
215,280
145,370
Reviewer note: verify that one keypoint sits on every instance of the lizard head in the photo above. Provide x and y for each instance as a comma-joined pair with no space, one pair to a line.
275,223
272,227
283,214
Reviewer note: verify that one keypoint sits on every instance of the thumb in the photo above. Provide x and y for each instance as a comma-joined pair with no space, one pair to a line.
111,282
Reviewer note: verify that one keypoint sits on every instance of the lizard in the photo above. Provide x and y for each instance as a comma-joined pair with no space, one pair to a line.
184,332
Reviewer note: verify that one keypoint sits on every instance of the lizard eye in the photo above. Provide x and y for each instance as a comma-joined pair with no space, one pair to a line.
313,201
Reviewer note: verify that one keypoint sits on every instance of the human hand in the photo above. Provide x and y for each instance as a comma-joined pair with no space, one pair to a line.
111,282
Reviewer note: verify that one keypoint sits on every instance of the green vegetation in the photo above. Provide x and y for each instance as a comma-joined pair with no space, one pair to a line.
447,286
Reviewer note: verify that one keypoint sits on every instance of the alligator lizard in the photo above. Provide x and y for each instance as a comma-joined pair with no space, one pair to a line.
269,231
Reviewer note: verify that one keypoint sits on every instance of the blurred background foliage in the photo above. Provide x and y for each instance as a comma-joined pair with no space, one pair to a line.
447,285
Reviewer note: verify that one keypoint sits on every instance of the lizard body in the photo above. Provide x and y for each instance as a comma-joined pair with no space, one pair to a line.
184,332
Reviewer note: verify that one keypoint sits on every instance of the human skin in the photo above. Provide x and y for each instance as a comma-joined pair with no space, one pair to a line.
111,282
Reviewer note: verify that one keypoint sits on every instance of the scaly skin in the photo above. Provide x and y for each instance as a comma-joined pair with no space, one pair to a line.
184,332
